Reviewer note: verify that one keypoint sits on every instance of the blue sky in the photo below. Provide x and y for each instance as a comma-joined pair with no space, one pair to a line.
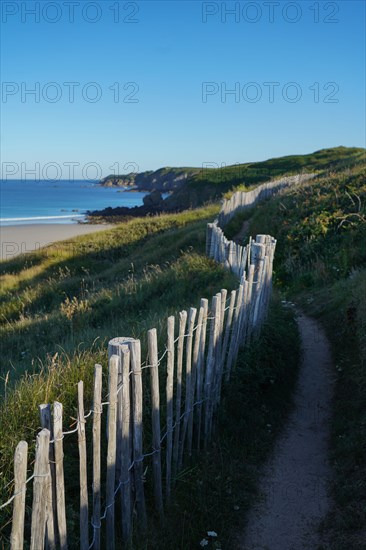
169,51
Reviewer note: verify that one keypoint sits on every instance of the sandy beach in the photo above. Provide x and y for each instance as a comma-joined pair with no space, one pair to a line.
15,240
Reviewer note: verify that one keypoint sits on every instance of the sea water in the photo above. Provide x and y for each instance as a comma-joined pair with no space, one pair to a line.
28,201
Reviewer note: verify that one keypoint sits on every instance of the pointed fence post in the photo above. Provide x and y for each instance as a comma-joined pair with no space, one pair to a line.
178,398
59,477
201,370
156,430
195,366
51,525
169,404
40,490
97,418
20,487
135,349
111,450
191,320
84,516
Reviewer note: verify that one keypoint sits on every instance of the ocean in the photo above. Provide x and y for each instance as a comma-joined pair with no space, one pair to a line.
28,201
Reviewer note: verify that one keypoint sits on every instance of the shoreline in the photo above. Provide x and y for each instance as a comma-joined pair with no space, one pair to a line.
22,239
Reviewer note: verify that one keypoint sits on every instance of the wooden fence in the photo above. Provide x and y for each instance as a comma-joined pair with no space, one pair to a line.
184,394
246,199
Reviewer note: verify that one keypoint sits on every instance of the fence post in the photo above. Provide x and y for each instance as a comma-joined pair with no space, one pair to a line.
196,357
191,320
114,349
178,398
227,331
111,450
20,487
169,403
250,300
155,418
51,523
208,238
125,479
210,365
84,527
40,490
97,413
135,348
59,477
201,369
234,332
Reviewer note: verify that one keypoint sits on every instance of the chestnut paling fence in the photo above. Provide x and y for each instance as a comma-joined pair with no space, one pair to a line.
182,392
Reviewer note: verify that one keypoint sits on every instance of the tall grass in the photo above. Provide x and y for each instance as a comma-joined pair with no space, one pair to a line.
61,305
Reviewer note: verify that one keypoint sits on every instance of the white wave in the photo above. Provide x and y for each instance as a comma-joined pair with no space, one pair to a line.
70,217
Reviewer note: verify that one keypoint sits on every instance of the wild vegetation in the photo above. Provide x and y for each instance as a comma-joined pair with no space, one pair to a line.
320,261
61,305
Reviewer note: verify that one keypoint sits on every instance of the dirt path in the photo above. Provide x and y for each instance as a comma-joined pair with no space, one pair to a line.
293,489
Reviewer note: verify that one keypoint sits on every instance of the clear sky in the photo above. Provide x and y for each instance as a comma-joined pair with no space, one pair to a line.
145,84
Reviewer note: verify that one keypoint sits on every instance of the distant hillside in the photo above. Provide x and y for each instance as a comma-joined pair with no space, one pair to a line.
210,183
193,187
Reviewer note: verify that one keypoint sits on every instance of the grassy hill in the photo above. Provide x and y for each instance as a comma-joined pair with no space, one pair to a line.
61,305
195,187
211,184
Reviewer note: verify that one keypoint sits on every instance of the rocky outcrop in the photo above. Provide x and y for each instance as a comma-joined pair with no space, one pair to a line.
163,180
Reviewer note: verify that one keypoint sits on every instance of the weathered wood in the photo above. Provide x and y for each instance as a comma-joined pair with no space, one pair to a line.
195,364
114,348
126,447
152,340
135,349
208,238
210,372
217,361
250,294
40,490
169,404
189,341
229,320
234,332
111,450
178,396
51,523
59,474
201,370
20,487
84,519
97,414
220,342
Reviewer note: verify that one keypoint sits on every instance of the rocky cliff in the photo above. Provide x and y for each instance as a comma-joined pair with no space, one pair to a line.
163,180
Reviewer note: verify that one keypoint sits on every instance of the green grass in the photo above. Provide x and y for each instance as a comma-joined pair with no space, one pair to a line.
211,184
101,285
320,228
60,306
